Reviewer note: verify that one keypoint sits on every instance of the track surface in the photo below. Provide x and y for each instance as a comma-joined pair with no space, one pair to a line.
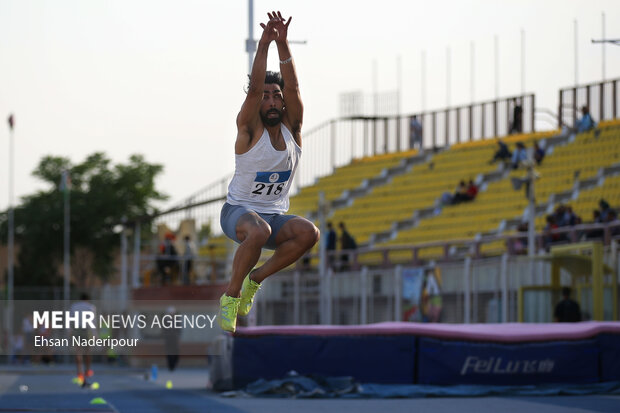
50,390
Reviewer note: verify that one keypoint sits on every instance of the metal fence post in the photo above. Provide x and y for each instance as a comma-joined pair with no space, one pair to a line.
495,130
374,136
398,272
434,129
504,286
398,133
467,291
366,139
446,139
533,113
602,102
364,296
471,123
574,106
614,99
386,132
561,105
328,296
482,116
458,125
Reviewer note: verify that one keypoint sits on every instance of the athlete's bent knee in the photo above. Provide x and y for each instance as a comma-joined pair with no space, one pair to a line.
255,231
309,235
259,233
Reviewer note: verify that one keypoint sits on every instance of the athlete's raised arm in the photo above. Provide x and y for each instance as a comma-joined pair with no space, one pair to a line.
293,107
249,126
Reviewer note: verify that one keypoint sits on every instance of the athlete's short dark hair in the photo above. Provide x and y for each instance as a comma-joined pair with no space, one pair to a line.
270,78
274,77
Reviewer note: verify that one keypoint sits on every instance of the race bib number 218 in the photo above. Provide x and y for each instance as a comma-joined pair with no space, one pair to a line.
270,183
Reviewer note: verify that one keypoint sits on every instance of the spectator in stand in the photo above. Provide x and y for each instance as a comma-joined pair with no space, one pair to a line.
460,194
167,260
612,217
570,218
596,216
347,243
188,259
446,199
565,217
472,191
520,244
517,118
415,133
539,153
548,237
595,233
567,310
331,244
502,153
604,208
605,215
519,155
586,122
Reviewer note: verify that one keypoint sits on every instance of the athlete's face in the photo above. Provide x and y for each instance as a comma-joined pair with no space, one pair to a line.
272,105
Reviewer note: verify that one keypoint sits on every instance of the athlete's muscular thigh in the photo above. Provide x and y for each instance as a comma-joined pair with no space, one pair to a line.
251,224
295,228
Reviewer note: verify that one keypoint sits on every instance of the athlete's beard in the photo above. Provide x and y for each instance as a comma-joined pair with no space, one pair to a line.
271,121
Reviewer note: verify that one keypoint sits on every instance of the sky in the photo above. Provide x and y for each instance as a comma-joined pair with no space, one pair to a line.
166,78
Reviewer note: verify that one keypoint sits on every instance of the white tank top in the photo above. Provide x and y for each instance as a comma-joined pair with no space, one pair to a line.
263,175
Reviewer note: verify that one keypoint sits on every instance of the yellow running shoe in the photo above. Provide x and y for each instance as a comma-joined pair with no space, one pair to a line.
227,319
248,290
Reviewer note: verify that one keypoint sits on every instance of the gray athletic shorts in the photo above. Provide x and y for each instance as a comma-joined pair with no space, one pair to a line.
231,213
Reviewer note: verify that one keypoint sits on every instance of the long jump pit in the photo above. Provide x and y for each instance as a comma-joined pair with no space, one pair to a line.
426,354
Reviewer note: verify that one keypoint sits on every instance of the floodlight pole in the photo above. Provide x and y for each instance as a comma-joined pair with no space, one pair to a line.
123,289
576,54
522,62
448,76
423,79
250,44
66,237
11,244
496,65
603,51
472,76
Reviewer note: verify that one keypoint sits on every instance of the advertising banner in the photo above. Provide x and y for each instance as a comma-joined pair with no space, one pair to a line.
453,362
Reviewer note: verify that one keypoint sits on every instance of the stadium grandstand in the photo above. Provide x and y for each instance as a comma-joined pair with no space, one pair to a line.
395,201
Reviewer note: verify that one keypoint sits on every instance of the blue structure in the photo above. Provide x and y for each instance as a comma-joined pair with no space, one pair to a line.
411,353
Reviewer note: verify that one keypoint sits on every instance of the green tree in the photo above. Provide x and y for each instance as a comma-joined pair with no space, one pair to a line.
101,194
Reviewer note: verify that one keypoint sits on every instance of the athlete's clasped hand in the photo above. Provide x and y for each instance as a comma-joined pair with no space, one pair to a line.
276,28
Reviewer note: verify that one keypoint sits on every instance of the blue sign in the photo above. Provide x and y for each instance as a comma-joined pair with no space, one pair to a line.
272,177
